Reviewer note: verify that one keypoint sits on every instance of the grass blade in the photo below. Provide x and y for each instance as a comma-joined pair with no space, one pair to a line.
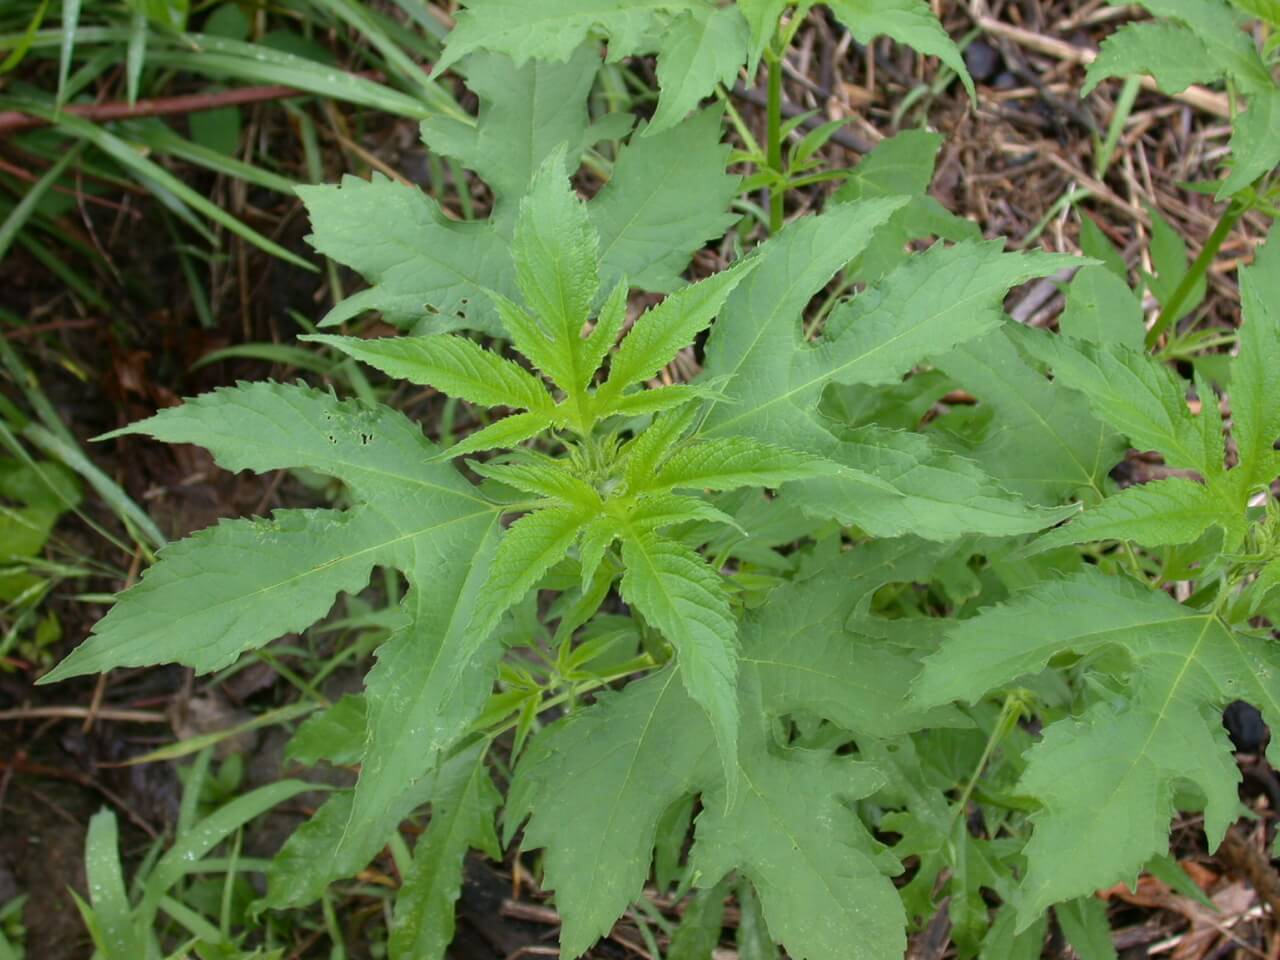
136,54
66,42
19,215
106,885
18,52
152,172
119,501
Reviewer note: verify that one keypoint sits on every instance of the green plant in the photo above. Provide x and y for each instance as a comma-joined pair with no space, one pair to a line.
830,600
130,921
1201,41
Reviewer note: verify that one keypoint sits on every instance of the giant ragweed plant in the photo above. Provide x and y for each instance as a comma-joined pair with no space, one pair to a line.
772,631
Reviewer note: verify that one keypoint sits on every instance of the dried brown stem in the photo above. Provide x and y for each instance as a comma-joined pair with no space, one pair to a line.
12,121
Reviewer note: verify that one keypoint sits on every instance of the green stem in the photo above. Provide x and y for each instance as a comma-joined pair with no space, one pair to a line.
777,193
1010,713
1172,310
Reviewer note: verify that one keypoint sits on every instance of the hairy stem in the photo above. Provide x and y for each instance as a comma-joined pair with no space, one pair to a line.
1172,310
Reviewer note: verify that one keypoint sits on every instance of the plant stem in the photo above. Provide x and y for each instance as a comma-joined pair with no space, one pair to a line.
1170,312
777,193
1010,713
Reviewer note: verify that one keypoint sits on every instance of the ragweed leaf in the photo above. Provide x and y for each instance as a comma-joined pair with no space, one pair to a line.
1101,308
336,734
609,324
1169,52
659,399
1266,10
1219,26
507,432
552,30
453,365
597,536
431,679
1106,781
702,47
543,477
669,194
635,753
1136,394
463,805
308,862
1153,514
947,296
531,546
243,583
662,332
894,483
731,462
762,17
526,113
676,591
640,751
556,250
1255,145
653,513
910,22
817,886
901,165
1037,443
1255,388
1145,400
398,238
532,340
647,449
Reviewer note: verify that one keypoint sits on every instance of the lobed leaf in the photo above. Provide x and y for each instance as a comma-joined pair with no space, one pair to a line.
236,586
526,113
463,806
638,752
762,17
1102,309
669,195
556,251
634,753
543,477
675,590
1254,145
1136,394
414,257
1219,26
1170,52
701,47
1155,514
892,483
910,22
1106,781
823,892
431,680
530,547
728,463
1255,389
552,29
1037,442
507,432
453,365
662,332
